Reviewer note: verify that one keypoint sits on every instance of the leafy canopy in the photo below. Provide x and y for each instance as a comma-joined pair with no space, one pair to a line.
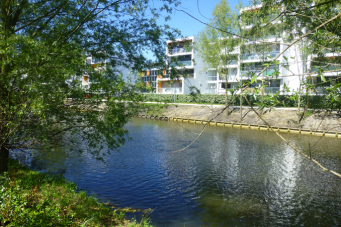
43,49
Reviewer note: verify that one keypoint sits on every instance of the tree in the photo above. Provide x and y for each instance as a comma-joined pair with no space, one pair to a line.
218,40
43,49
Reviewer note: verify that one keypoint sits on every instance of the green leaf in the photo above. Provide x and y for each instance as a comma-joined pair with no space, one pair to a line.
254,79
323,78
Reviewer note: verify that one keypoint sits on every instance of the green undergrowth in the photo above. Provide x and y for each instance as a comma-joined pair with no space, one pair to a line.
155,109
30,198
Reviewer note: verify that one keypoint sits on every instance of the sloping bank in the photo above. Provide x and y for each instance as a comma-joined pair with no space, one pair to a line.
29,198
281,118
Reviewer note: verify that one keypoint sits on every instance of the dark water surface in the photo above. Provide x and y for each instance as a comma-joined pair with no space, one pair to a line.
228,177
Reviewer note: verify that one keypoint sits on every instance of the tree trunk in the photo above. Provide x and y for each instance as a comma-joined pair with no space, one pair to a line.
241,107
226,97
226,102
4,155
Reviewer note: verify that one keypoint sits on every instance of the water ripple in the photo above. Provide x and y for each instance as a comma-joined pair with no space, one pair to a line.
229,177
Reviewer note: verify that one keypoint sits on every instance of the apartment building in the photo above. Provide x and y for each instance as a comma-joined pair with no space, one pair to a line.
250,58
183,70
100,65
97,64
290,69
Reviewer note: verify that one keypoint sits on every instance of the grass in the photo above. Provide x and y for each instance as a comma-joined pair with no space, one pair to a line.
29,198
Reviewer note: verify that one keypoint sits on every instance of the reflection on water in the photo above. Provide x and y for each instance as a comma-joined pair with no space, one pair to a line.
229,177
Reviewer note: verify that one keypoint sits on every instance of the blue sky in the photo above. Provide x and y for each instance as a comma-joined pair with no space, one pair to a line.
200,9
189,26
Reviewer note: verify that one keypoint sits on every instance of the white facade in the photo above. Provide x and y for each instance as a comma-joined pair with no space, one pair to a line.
183,58
100,65
292,67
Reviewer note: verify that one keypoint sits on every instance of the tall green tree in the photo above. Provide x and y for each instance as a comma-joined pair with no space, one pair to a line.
43,49
218,40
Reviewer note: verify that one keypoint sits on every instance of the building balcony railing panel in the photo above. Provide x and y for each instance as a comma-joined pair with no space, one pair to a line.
266,56
180,63
321,91
271,90
326,68
210,91
185,75
212,77
246,71
231,75
265,90
178,50
234,62
171,91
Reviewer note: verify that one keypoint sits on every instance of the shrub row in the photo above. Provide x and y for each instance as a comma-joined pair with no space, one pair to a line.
315,102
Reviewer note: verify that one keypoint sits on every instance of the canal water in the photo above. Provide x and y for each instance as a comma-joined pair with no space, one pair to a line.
228,177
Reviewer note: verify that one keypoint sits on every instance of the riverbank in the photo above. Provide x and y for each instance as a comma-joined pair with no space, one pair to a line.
30,198
280,117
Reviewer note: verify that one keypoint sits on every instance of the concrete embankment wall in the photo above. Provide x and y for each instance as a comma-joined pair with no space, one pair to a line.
282,120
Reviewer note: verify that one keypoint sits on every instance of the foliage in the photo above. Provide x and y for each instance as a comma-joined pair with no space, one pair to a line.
152,108
218,39
29,198
43,51
317,102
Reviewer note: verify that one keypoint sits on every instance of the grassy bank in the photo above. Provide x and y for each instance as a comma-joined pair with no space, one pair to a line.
29,198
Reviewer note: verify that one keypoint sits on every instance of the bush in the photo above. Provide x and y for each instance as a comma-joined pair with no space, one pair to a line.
29,198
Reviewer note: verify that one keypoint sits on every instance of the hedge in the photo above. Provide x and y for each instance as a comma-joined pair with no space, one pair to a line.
315,102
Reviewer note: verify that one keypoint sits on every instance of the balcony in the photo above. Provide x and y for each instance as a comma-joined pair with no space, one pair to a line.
271,90
234,62
326,68
180,74
171,91
264,90
269,72
187,75
270,55
177,50
210,91
214,77
222,77
180,63
248,71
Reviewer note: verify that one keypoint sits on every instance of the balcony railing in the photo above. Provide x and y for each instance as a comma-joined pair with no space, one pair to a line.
271,90
212,77
246,71
321,90
326,68
180,63
171,90
234,62
265,90
222,77
210,91
259,56
187,75
176,50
